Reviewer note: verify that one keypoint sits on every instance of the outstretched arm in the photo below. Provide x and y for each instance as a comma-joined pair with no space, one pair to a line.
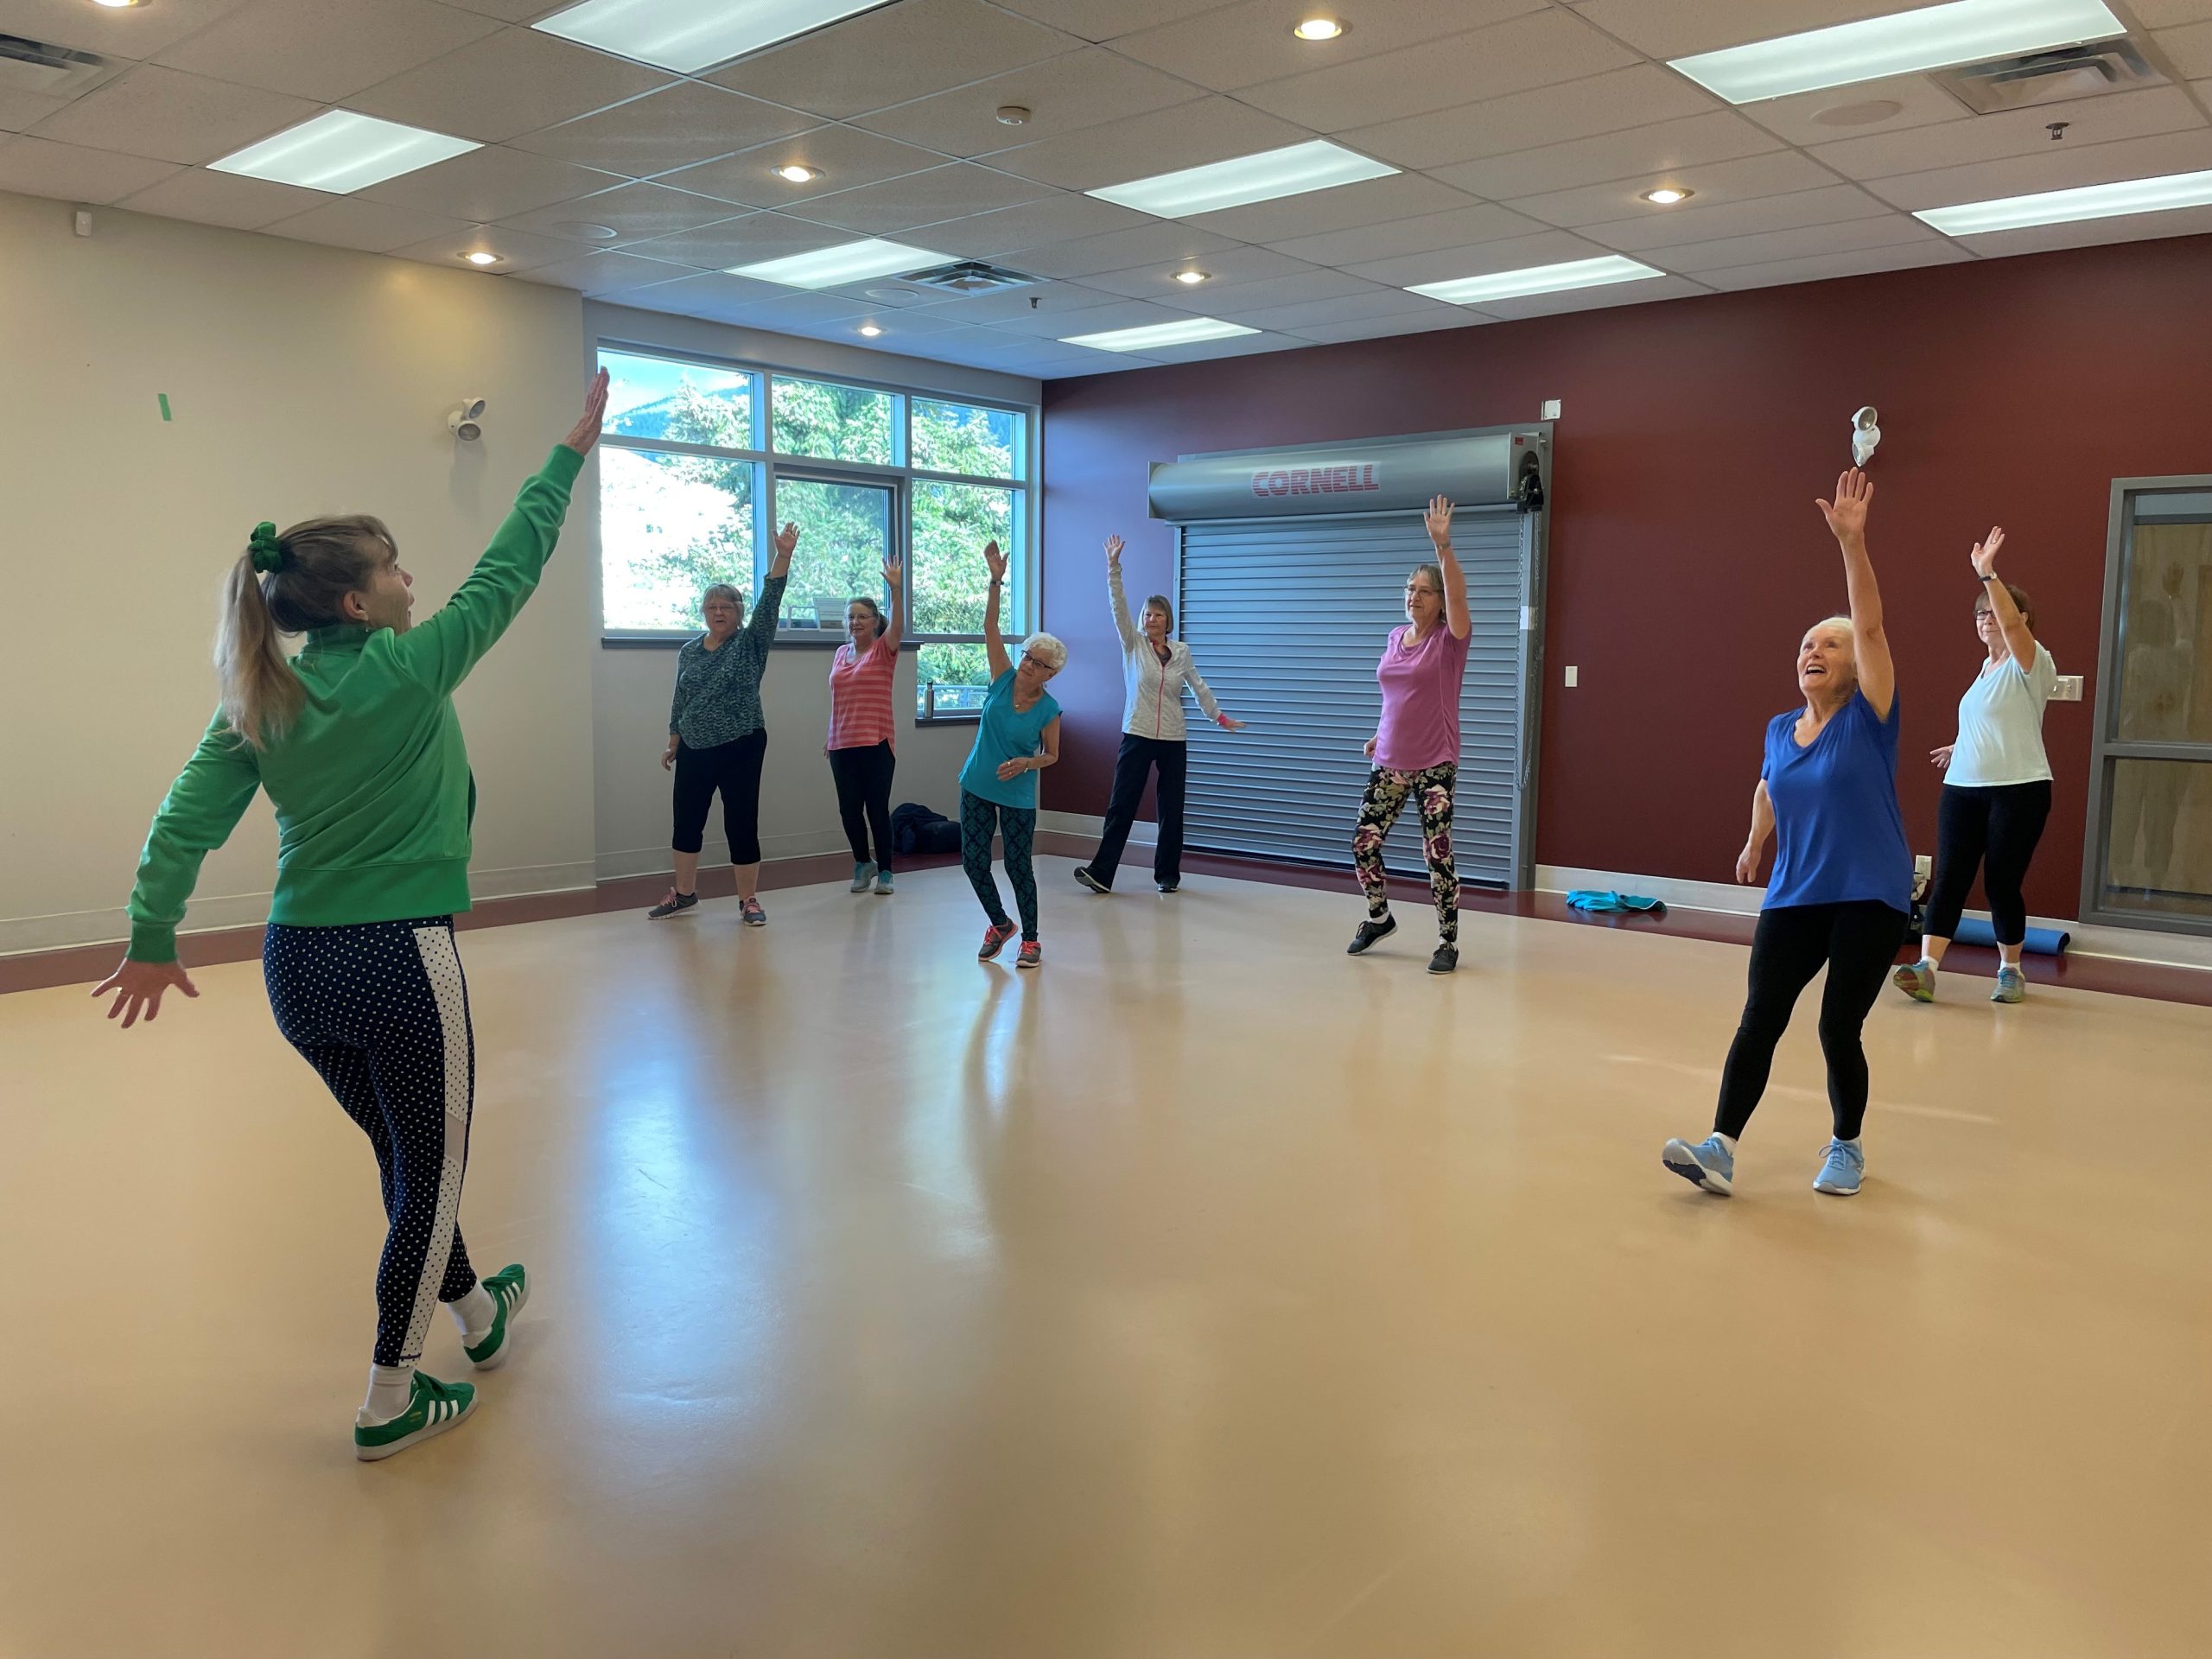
1747,861
1455,615
1122,623
768,609
2018,638
994,646
1204,693
895,580
1846,516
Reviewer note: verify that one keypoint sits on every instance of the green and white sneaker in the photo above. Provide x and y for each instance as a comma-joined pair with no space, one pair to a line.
510,1290
434,1408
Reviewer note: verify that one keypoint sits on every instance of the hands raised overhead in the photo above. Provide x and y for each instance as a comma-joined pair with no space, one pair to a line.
585,433
1438,521
1984,553
996,560
1846,514
1114,546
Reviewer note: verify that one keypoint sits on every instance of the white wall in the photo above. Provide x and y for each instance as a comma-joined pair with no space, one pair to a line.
300,380
630,687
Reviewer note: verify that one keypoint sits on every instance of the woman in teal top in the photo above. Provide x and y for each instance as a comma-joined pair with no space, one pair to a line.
1017,738
356,741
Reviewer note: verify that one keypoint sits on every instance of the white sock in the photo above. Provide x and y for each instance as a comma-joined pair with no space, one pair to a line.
1841,1142
391,1389
474,1312
1727,1142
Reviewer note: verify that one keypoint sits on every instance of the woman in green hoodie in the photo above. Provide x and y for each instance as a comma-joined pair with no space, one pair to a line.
356,741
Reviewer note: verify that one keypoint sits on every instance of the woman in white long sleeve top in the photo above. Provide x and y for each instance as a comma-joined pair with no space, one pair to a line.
1156,668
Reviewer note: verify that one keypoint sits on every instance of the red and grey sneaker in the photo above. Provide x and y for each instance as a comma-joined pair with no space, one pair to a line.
432,1409
509,1289
995,939
675,904
1032,955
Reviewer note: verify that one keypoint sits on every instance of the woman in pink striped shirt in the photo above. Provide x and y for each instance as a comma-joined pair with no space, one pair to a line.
860,746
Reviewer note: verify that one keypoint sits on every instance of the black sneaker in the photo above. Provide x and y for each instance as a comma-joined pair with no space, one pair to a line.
1371,931
1084,875
1171,887
675,904
1446,959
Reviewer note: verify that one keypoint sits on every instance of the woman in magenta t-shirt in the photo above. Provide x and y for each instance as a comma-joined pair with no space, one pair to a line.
1416,747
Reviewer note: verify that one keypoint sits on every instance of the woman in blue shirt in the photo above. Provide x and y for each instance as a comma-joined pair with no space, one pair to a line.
1018,736
1841,890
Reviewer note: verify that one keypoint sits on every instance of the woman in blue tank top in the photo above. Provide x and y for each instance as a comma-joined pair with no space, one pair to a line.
1841,890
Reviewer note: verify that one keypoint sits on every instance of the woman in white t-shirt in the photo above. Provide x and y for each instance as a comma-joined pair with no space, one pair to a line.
1996,786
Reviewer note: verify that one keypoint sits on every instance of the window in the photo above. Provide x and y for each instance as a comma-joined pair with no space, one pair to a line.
697,456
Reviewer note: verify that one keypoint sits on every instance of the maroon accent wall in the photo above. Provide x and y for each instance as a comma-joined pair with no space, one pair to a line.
1687,557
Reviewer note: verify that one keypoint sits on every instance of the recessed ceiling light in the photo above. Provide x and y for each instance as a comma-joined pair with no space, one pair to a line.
689,36
1160,333
870,330
119,5
1191,278
1315,165
854,262
481,257
797,174
1667,196
1537,279
339,151
1318,29
1932,37
2158,195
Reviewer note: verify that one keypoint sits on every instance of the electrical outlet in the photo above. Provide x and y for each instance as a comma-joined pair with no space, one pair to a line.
1573,676
1551,408
2068,688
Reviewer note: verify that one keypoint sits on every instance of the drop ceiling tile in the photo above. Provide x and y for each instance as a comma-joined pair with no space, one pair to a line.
1094,320
1375,303
39,167
2095,233
898,324
894,56
2015,132
494,182
21,109
372,226
1595,299
1062,216
708,293
1137,147
1444,265
745,240
953,191
795,307
1244,44
326,50
1651,228
633,211
1888,230
965,344
510,11
2064,168
518,250
890,294
1159,242
604,272
133,32
1298,288
2188,49
1227,267
1536,50
1064,94
1675,28
2165,14
225,199
995,310
1820,268
1102,20
672,128
166,115
1635,97
1205,351
1435,320
1897,105
1655,153
506,84
1345,207
1483,222
1777,173
842,158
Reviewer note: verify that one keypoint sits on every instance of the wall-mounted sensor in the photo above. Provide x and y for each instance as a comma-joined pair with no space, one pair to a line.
1865,436
466,421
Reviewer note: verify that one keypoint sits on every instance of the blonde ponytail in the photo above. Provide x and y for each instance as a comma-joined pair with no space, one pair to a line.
261,695
287,584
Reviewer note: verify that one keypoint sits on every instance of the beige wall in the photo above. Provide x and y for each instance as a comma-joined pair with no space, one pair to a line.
300,380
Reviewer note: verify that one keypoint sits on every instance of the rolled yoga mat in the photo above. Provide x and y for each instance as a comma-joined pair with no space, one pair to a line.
2043,941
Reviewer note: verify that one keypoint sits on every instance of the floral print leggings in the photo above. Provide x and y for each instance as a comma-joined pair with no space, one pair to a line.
1387,793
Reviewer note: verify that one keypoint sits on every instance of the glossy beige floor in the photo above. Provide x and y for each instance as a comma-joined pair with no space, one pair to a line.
1206,1295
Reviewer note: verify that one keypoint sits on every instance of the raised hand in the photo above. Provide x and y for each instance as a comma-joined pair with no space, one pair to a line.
1984,553
584,433
893,569
1941,757
138,987
1438,522
1846,514
996,560
785,540
1114,545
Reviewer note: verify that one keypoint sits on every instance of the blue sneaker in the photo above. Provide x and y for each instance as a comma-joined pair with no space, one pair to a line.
1707,1163
883,884
863,875
1841,1169
2011,986
1917,981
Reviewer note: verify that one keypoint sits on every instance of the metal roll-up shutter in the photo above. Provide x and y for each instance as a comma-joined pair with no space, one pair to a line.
1287,618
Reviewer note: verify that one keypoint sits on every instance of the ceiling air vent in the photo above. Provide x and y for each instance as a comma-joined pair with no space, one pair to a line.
967,277
2067,71
49,71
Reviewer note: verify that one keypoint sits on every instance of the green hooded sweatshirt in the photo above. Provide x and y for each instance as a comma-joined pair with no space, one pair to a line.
371,784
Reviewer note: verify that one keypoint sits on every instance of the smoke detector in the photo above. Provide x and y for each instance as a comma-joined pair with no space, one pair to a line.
968,276
2063,73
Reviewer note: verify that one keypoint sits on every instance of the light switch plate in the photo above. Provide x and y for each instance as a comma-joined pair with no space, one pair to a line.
2068,688
1573,676
1551,408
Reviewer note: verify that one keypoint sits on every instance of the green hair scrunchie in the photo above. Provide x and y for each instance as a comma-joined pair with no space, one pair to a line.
268,552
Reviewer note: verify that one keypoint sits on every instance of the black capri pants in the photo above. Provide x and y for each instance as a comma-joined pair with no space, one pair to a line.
1997,829
734,768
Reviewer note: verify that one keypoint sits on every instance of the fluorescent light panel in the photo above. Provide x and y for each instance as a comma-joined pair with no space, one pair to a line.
1155,335
1537,279
2157,195
852,261
689,36
1933,37
341,152
1317,165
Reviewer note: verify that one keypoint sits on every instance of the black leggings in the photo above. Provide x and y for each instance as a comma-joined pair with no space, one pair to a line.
381,1010
979,820
735,769
1997,829
1858,943
1138,756
863,778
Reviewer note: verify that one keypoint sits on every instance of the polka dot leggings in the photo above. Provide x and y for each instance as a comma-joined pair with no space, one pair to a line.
381,1011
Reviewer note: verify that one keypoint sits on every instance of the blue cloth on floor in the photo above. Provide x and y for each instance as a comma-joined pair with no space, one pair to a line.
1590,899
